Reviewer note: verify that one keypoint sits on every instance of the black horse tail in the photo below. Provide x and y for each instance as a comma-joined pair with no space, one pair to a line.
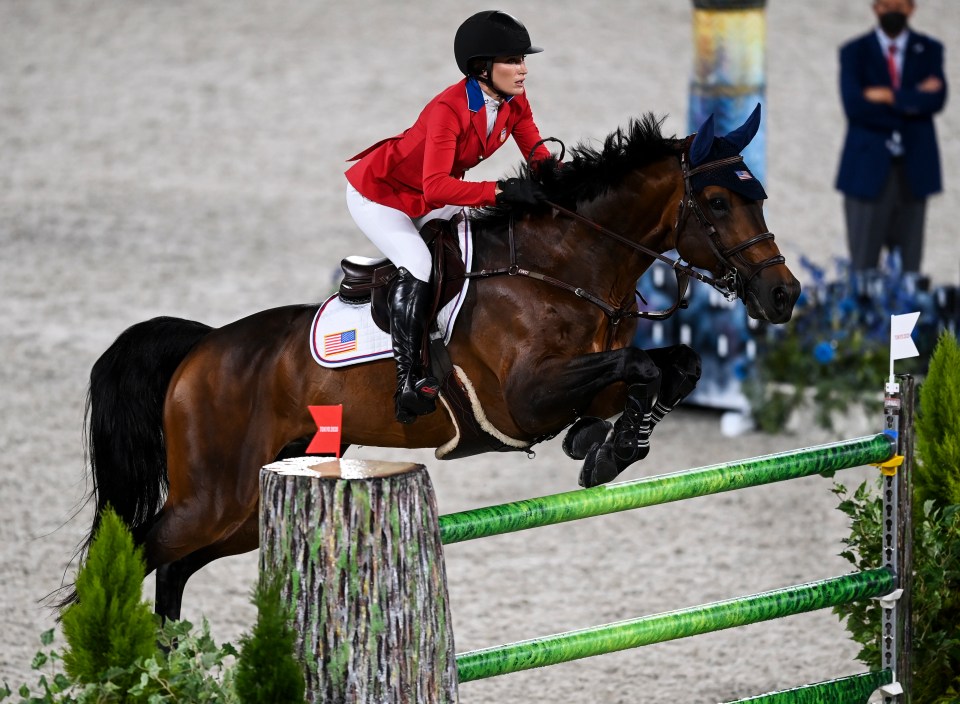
124,420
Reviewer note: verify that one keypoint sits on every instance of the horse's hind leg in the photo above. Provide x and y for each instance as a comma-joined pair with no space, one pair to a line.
172,577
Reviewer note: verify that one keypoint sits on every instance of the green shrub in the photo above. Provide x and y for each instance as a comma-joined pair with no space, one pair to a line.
267,672
115,653
936,592
189,668
109,626
937,476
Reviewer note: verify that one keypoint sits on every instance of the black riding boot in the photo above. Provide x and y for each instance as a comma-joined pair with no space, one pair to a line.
409,308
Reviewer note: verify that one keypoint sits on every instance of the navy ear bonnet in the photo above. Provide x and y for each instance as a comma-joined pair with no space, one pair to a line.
736,177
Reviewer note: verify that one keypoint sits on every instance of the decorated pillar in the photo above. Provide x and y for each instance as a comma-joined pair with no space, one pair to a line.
729,77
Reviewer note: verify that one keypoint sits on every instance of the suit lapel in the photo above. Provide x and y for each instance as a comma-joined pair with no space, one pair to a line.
479,120
879,59
912,60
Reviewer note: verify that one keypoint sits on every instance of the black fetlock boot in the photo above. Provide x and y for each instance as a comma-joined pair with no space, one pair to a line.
416,393
631,432
676,385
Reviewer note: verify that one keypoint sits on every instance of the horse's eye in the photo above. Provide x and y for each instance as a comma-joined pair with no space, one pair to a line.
718,204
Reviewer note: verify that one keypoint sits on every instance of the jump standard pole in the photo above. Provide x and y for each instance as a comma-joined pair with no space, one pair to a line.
897,511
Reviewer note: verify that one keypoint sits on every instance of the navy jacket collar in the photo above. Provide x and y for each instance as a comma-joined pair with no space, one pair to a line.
475,95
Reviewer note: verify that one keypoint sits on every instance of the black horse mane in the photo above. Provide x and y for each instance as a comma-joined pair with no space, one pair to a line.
589,171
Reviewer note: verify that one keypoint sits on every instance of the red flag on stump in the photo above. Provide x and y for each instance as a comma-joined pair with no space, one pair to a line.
329,420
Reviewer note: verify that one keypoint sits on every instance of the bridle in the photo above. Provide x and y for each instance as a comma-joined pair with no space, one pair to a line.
731,283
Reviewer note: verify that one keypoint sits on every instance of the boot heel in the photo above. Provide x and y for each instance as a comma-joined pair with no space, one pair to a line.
428,388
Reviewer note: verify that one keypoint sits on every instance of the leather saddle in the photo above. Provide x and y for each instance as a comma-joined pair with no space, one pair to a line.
367,280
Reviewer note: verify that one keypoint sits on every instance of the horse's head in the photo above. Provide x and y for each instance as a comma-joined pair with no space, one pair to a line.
727,234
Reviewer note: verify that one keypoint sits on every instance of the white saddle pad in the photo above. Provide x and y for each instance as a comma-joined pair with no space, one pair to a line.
344,333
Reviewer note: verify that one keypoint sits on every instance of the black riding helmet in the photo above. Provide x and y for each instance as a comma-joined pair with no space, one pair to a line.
488,34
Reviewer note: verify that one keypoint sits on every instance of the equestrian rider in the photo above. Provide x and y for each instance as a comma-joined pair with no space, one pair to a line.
400,183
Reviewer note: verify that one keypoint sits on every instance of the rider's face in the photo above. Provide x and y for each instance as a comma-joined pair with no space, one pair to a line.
509,73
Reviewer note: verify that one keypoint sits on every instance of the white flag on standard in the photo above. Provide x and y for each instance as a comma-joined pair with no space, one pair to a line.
901,343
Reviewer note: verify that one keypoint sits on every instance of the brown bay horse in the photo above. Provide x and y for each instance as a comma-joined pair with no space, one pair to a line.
181,416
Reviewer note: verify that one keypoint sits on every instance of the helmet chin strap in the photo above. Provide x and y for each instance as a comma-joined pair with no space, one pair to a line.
488,81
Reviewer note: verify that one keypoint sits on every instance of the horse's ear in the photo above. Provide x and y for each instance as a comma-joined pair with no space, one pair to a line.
702,142
744,134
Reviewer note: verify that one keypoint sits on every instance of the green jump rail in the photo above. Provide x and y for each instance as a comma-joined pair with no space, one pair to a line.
855,689
665,488
672,625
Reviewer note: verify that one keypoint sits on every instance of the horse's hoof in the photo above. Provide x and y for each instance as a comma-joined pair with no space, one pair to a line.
599,466
630,446
583,435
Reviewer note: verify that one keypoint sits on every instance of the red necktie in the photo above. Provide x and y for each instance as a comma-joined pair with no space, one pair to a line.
892,66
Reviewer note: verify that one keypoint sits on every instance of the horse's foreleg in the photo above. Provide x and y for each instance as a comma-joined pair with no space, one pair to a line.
679,373
646,405
560,387
593,383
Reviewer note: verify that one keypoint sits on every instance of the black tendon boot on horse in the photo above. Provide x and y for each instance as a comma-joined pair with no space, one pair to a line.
409,308
679,374
630,440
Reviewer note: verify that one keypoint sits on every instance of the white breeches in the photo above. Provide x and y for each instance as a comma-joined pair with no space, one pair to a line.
394,233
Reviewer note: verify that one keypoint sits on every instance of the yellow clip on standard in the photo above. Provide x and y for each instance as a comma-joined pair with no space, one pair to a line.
889,468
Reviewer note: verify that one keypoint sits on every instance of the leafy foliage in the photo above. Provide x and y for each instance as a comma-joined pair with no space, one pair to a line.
936,592
267,672
190,667
116,652
937,477
109,626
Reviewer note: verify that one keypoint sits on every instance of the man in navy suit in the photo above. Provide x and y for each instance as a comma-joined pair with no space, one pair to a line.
892,84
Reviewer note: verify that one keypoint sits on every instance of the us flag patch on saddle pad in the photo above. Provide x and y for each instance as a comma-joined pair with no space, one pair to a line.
339,342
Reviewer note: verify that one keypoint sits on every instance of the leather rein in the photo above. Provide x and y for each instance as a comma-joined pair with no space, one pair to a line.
731,284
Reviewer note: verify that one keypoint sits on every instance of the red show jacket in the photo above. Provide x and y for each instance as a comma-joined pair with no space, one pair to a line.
422,168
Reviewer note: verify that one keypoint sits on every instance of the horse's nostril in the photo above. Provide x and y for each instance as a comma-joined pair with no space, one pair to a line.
781,298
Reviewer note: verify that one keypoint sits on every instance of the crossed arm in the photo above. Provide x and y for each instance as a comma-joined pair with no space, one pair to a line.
884,95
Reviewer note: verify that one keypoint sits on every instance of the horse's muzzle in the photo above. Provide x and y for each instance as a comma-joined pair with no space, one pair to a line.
772,297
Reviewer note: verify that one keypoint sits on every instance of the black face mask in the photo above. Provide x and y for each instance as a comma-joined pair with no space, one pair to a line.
892,23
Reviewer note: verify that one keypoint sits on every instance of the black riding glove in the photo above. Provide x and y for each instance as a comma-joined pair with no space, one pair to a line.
520,192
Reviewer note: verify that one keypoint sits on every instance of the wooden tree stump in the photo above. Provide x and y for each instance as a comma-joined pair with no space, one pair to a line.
357,546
